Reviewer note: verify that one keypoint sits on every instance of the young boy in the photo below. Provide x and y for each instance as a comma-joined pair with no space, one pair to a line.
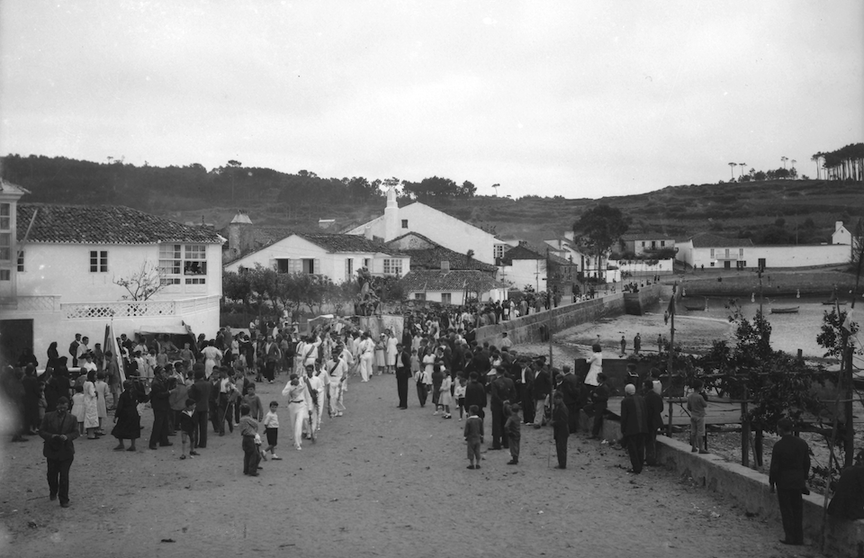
271,430
78,407
511,428
473,435
256,407
187,428
187,356
248,430
696,404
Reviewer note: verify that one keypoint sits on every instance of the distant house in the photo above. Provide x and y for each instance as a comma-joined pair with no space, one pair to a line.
642,243
337,256
711,251
426,254
452,287
567,248
443,229
59,264
841,234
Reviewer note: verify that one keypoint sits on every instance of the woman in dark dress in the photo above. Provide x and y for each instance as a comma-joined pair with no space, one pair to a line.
53,355
126,417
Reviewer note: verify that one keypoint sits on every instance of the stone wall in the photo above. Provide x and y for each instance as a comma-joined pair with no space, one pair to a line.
527,329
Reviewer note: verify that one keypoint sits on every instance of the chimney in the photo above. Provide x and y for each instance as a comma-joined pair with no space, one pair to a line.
239,230
367,232
837,225
445,265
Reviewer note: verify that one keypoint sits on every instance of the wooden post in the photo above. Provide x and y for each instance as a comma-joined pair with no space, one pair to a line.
745,432
757,445
669,426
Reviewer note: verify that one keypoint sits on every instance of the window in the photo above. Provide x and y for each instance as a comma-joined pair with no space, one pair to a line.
446,298
5,216
6,246
740,252
727,253
419,296
366,262
653,244
393,267
349,268
712,253
404,223
98,261
662,244
186,264
20,261
643,244
5,274
499,251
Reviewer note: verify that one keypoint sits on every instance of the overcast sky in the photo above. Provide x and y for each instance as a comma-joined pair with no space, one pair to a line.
580,99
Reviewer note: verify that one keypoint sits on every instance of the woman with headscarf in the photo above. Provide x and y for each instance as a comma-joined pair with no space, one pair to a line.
126,418
53,356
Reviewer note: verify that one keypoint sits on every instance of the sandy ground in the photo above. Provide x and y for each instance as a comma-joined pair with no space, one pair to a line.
379,482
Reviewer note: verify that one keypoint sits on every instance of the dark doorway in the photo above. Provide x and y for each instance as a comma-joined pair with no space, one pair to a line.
15,335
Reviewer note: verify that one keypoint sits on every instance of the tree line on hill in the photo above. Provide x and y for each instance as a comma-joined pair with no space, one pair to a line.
846,163
65,180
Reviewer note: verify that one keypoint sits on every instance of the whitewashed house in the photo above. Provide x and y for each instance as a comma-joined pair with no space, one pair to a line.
59,264
337,256
436,225
452,287
711,251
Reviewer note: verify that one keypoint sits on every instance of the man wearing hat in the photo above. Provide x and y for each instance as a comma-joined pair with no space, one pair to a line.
634,427
790,466
502,390
403,373
59,429
337,371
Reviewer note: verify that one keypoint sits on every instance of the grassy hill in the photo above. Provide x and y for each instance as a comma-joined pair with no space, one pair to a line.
767,211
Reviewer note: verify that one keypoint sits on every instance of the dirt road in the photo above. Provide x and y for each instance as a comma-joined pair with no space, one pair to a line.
379,482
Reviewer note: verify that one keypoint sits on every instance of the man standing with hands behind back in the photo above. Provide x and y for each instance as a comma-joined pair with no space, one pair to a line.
59,429
790,465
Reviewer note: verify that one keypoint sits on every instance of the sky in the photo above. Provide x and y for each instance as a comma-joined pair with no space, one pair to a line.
577,99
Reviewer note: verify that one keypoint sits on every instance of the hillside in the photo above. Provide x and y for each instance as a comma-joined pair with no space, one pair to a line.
767,211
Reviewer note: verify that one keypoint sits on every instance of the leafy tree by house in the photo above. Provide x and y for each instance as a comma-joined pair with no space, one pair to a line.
599,228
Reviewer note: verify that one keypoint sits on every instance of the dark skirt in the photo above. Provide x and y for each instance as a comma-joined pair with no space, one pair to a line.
128,426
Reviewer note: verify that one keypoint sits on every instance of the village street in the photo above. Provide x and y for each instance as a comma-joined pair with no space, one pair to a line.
379,482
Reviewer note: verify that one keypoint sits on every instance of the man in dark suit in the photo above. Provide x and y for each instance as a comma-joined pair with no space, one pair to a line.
403,373
570,390
475,395
634,427
501,390
159,395
599,401
200,392
790,465
540,390
59,429
654,412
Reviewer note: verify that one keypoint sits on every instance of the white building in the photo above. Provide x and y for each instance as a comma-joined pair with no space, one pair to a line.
337,256
712,251
841,234
452,287
59,266
436,225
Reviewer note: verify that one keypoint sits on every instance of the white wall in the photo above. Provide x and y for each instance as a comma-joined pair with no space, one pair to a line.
332,265
458,297
447,231
64,270
775,256
524,272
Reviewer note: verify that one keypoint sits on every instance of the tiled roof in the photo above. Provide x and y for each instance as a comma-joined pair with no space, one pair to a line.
520,253
9,188
347,243
103,224
645,236
708,240
458,280
431,258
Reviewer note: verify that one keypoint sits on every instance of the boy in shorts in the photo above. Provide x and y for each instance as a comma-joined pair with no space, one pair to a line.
187,429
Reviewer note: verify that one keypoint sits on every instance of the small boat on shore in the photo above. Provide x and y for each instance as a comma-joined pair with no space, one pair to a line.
788,310
833,302
694,308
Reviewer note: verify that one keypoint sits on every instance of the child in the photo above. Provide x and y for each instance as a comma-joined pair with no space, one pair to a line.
78,407
102,393
437,379
415,362
696,404
187,356
511,428
459,393
256,408
271,430
560,419
445,399
473,435
187,428
248,430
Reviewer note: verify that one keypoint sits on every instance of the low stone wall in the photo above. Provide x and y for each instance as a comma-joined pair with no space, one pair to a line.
527,329
843,539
